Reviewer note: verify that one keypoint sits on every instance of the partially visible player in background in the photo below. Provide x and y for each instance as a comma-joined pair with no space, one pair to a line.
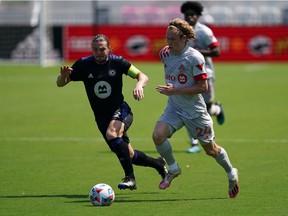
102,75
207,44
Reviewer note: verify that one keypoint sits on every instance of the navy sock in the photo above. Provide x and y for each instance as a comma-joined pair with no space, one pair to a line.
118,146
141,159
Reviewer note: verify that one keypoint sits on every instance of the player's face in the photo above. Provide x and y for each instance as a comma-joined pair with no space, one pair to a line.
191,17
100,51
176,44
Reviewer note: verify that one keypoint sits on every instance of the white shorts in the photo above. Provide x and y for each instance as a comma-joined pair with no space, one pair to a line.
200,128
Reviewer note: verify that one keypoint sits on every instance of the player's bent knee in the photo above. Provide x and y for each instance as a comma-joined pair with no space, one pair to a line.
158,138
160,133
110,136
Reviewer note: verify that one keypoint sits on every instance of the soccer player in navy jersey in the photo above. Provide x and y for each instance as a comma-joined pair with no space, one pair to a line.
185,81
102,75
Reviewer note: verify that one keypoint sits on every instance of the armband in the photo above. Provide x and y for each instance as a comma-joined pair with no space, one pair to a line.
133,71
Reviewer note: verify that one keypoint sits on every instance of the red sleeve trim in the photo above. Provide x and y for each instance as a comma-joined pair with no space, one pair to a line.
213,45
201,77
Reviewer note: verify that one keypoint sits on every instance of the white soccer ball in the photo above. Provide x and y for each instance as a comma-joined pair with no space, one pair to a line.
102,195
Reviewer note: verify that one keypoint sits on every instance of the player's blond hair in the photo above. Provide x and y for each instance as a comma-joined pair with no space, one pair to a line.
183,28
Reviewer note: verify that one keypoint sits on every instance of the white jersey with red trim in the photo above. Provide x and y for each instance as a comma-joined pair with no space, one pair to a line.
204,39
182,70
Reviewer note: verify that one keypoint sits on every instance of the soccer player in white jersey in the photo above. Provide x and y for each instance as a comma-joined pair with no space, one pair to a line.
186,80
207,44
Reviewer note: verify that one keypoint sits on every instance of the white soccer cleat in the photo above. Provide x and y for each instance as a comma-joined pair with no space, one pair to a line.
234,188
193,149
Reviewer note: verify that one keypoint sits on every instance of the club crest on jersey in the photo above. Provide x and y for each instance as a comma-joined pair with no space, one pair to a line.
112,73
181,68
182,78
102,89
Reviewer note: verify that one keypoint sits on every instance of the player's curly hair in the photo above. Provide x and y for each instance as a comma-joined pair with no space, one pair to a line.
193,5
183,28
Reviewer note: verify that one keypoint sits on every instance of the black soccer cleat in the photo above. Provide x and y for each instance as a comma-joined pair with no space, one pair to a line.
127,183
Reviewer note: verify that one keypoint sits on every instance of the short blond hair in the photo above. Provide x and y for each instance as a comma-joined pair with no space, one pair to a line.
183,28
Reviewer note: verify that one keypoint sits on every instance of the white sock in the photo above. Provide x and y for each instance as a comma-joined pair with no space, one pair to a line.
165,150
214,110
194,141
174,166
232,175
224,161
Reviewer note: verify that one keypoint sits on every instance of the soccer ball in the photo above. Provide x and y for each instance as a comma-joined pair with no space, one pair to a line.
102,195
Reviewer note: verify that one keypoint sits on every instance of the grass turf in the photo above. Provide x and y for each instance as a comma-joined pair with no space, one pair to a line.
52,153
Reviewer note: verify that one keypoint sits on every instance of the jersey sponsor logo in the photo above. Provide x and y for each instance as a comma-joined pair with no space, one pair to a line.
102,89
182,78
112,73
170,77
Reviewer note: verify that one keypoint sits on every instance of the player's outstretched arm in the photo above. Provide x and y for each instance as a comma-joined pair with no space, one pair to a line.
138,92
63,79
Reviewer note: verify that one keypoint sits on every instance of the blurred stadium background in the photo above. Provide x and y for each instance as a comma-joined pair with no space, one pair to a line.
44,32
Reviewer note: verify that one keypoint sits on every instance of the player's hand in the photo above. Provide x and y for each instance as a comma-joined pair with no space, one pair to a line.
167,89
138,93
65,71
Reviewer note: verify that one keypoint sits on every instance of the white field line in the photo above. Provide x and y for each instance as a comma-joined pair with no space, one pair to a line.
139,139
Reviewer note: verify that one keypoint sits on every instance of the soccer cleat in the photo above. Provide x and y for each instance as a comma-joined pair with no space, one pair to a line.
234,186
166,181
220,117
162,169
193,149
127,183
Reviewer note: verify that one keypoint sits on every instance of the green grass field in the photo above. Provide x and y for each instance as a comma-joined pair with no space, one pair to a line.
52,153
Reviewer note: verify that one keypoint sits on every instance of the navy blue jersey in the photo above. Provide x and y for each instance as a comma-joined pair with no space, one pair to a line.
103,83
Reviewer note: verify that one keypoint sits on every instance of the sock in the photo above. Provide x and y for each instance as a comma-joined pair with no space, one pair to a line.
232,175
118,146
165,150
141,159
174,166
194,142
214,110
224,161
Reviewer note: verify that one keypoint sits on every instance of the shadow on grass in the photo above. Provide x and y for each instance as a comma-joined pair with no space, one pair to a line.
119,198
46,196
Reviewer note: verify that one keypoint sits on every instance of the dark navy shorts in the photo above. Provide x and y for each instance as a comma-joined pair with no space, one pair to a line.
123,114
